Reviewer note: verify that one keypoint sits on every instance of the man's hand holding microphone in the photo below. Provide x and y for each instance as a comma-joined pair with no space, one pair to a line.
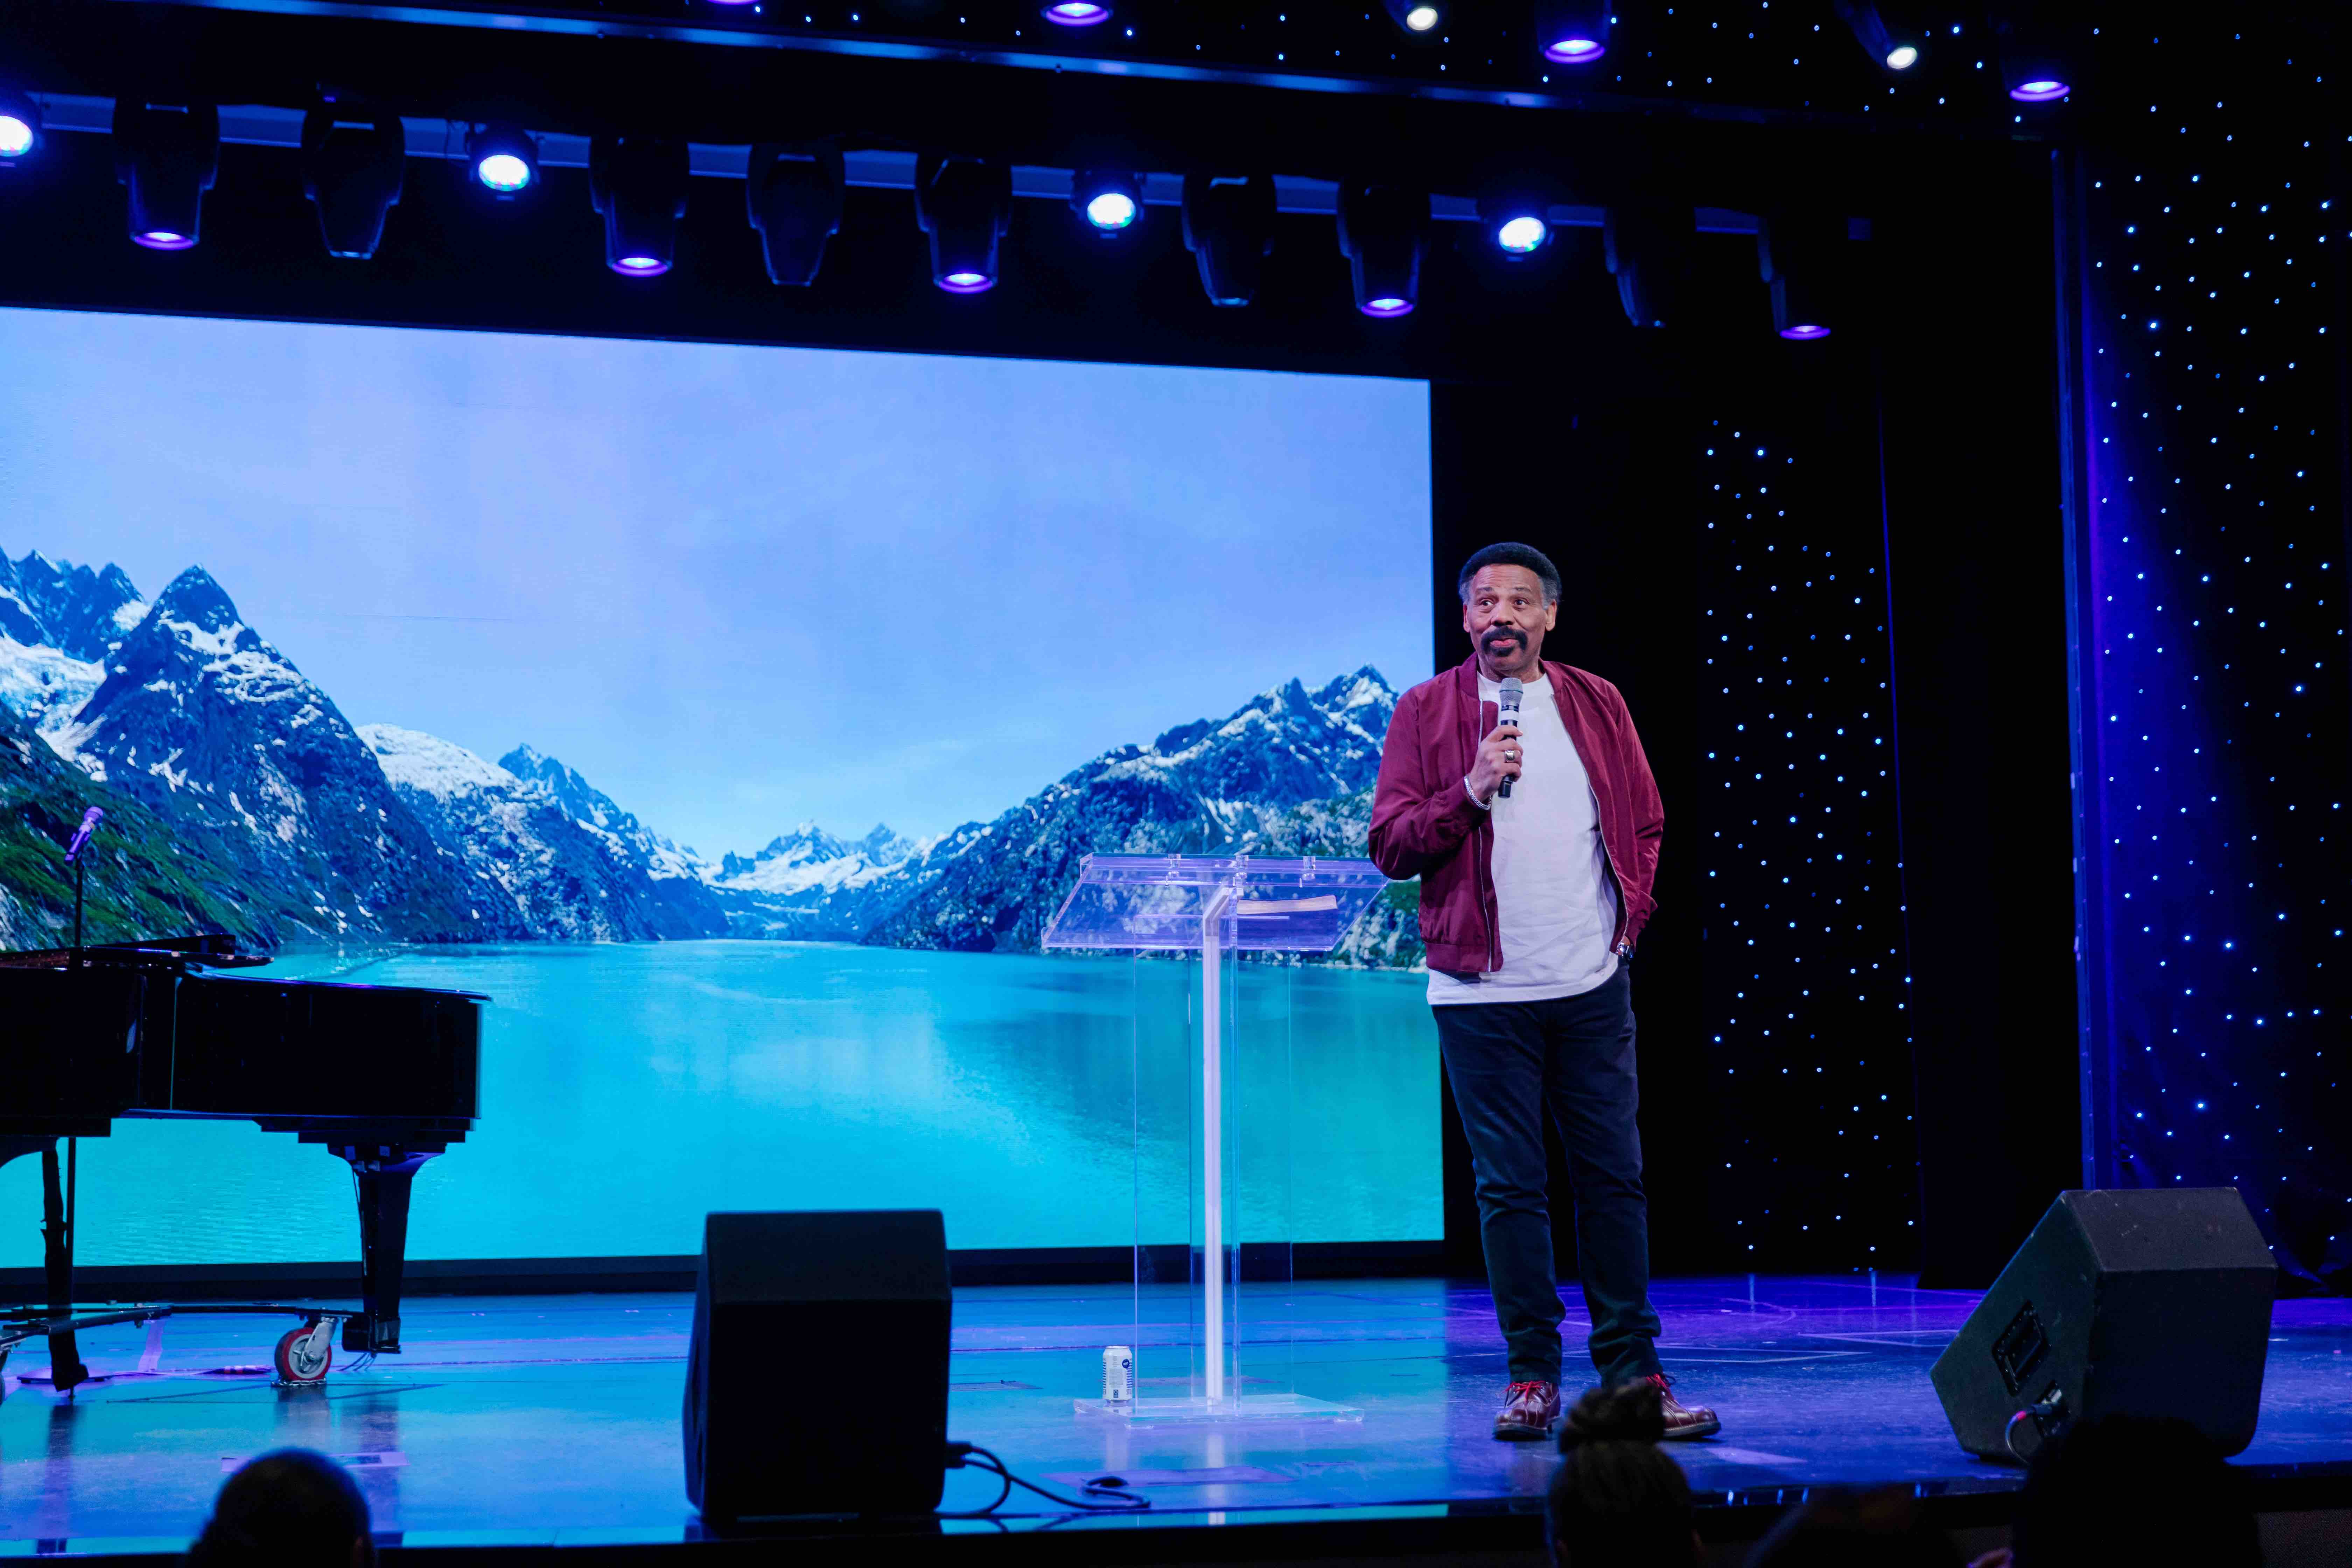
1498,758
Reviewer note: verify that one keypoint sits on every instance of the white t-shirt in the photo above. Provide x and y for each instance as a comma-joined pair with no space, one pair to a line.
1552,886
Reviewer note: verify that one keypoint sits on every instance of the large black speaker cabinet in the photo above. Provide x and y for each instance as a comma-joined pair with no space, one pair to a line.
2120,1303
816,1382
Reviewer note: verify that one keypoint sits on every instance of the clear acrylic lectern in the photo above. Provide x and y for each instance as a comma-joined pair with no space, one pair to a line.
1213,1113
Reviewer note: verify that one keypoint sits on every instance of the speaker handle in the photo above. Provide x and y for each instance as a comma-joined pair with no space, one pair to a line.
2048,1411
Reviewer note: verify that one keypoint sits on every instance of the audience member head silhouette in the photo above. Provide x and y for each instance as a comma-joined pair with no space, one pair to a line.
1840,1528
1617,1500
289,1509
2134,1488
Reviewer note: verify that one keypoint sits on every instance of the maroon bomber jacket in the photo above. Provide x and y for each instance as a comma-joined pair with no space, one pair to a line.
1425,825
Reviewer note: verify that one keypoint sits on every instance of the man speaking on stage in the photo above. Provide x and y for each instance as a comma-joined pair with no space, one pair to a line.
1536,841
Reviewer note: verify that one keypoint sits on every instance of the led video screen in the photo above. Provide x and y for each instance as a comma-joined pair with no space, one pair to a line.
734,718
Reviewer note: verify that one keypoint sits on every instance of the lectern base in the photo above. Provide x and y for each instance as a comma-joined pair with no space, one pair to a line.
1195,1412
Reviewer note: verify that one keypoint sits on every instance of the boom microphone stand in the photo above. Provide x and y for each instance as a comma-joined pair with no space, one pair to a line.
65,1368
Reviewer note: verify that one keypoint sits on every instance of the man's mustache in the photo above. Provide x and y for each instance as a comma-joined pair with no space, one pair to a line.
1502,634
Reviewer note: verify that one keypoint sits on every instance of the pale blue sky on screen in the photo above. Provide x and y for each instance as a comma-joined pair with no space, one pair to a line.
737,587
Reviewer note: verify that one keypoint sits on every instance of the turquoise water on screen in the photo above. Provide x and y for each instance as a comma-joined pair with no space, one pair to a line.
629,1089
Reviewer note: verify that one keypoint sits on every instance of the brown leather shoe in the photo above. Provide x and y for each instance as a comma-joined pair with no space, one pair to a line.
1530,1410
1683,1421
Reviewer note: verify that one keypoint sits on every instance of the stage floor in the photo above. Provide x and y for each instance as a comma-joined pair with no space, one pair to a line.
555,1419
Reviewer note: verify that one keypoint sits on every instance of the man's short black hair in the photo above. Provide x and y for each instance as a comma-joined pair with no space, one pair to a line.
1507,555
290,1506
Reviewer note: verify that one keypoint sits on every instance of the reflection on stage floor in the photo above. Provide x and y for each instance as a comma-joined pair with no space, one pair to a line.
555,1419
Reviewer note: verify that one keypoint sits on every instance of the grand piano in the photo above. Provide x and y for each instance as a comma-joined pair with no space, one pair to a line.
384,1077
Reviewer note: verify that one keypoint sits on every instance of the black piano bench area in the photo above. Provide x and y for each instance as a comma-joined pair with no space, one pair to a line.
385,1078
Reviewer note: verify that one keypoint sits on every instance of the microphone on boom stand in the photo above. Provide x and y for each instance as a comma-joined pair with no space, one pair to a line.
57,1216
90,821
1507,712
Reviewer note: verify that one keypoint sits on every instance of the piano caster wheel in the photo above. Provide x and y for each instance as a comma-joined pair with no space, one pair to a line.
304,1355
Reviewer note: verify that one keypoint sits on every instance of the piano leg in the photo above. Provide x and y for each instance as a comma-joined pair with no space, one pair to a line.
66,1369
384,1173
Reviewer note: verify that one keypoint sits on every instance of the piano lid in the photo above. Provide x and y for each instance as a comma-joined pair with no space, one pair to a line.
179,953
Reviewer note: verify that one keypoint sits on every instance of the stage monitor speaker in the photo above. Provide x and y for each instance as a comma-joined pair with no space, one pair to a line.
816,1380
2120,1303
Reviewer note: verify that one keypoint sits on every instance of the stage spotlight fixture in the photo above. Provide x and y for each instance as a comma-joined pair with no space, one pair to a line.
504,158
20,126
965,204
1572,32
1516,222
1229,229
1111,201
1077,14
1522,234
1869,29
1418,17
353,165
1383,230
2033,47
639,185
1647,243
794,197
168,155
1798,252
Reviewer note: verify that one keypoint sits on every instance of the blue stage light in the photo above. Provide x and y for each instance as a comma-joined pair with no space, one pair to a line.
1522,234
1109,200
505,159
169,156
1869,29
795,198
1077,14
1572,32
965,204
1228,223
637,184
355,163
1383,230
1417,17
20,125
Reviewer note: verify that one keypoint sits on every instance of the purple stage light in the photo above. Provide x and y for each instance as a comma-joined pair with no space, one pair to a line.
966,282
641,265
1075,14
163,240
1575,51
1388,305
2043,89
1804,331
16,136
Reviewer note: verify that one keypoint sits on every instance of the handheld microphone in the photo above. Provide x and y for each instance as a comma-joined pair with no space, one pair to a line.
90,821
1507,712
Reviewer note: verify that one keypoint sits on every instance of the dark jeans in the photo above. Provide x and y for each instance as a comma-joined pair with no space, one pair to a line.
1508,1062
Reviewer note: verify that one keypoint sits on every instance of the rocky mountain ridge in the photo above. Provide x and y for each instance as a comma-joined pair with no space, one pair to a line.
381,832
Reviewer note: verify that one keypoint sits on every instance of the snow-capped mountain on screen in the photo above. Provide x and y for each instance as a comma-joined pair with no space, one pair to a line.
203,721
82,613
569,877
1278,776
58,622
286,821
